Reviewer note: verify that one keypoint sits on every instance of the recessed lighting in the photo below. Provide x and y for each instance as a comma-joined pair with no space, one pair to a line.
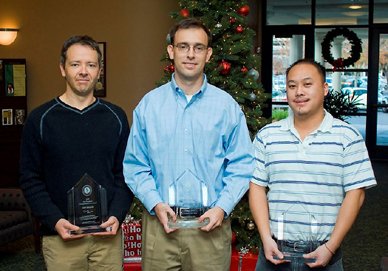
354,14
355,7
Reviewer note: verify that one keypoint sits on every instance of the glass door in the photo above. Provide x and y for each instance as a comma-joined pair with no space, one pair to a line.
382,88
287,47
377,117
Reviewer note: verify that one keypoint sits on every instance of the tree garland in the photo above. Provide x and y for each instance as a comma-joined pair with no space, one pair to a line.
355,51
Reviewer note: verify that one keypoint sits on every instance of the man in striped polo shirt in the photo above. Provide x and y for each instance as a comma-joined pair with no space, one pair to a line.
316,169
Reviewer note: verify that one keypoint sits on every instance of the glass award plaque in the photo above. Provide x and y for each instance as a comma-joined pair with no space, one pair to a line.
188,197
87,206
296,239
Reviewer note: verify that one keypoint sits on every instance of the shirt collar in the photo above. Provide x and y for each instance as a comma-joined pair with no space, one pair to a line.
326,124
175,87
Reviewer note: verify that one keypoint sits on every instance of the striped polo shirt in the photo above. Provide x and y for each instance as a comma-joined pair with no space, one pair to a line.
307,180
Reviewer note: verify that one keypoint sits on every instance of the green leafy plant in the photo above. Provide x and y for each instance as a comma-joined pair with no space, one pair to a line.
279,114
341,105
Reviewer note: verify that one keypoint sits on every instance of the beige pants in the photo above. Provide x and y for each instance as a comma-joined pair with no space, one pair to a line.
87,253
185,249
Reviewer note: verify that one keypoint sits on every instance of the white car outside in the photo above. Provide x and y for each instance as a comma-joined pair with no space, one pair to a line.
361,94
362,97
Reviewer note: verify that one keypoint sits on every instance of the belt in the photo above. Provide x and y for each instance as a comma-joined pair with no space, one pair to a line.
189,212
300,246
299,243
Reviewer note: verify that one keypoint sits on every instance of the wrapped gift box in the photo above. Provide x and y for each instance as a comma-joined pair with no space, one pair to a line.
132,241
248,261
132,250
132,266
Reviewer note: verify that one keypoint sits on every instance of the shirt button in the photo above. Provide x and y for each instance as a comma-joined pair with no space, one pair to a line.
186,130
185,150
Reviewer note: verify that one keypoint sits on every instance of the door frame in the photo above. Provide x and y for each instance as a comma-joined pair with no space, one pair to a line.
375,152
374,31
267,58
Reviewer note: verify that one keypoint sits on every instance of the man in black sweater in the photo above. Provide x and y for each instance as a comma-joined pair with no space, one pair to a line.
74,134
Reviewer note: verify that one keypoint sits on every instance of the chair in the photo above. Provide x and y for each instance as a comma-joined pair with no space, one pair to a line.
16,220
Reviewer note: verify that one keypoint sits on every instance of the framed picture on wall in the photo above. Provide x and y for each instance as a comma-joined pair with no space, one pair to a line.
20,116
100,88
15,79
6,117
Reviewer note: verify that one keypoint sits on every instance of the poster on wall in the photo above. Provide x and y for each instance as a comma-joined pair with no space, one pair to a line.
15,81
7,117
20,116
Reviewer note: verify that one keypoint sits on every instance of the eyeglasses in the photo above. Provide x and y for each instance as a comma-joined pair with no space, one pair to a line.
184,48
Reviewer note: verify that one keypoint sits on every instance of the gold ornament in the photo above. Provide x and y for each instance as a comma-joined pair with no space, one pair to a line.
250,225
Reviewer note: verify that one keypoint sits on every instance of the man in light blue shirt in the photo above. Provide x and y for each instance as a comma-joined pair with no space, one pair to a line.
190,134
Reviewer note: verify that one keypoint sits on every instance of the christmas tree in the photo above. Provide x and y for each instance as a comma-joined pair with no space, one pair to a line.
233,67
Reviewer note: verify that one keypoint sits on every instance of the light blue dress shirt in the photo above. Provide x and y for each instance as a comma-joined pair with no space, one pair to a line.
206,140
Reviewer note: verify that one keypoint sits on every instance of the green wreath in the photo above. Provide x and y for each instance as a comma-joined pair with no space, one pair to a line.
355,52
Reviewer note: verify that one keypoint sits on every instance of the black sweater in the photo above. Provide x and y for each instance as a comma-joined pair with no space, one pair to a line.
60,144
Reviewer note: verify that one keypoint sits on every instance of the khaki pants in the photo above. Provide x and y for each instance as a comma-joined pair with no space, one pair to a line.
87,253
185,249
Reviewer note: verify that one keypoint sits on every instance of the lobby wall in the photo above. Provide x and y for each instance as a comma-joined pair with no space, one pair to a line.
134,32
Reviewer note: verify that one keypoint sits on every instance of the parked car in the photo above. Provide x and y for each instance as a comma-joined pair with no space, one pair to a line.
279,95
384,100
382,84
360,93
352,83
329,81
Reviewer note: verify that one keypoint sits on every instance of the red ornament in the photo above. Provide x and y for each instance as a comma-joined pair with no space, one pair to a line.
243,10
233,238
244,69
232,20
169,69
225,67
184,13
239,29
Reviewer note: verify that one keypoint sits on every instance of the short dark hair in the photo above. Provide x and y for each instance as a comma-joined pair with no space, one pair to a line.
187,24
81,40
321,70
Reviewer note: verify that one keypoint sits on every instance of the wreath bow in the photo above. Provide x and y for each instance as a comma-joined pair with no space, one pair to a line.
338,64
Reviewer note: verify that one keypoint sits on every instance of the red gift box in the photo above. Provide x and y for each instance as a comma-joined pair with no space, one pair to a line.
132,251
132,242
132,266
249,261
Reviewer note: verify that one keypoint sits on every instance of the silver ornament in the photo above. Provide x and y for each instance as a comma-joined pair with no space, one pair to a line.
254,74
